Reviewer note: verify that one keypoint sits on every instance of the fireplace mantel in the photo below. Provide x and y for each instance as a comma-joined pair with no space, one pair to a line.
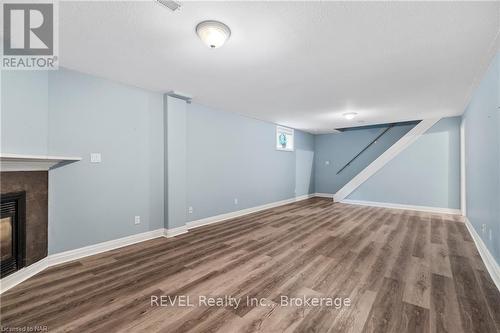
17,162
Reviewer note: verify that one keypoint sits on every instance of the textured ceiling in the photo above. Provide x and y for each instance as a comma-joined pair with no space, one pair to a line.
300,64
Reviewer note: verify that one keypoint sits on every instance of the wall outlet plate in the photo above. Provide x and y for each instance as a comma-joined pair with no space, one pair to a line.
235,201
95,157
137,220
190,210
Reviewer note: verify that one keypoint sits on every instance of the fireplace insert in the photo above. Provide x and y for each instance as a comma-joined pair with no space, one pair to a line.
12,232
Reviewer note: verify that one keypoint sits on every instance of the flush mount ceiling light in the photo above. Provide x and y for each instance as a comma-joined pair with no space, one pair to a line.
350,115
213,33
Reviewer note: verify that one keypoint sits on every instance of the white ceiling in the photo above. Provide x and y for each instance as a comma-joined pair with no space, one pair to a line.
300,64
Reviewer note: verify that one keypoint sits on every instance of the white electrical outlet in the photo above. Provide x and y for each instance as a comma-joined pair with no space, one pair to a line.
95,157
190,210
137,220
235,201
483,228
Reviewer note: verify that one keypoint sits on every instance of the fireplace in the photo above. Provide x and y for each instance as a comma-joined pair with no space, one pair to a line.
12,232
24,215
24,211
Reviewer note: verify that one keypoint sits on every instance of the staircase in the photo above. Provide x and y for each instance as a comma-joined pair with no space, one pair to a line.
383,159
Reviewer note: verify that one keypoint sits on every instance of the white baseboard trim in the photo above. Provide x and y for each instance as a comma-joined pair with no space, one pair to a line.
405,207
238,213
489,261
23,274
59,258
324,195
385,158
175,231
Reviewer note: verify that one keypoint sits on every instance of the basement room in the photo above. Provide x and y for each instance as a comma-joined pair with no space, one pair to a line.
250,166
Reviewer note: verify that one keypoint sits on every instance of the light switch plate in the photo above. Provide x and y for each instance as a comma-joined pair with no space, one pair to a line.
95,157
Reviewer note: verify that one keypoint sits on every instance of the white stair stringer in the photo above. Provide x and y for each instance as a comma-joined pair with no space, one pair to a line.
383,159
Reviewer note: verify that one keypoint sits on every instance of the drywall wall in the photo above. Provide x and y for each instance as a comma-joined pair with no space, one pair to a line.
96,202
427,173
24,117
304,163
481,122
175,161
227,157
333,151
233,157
68,113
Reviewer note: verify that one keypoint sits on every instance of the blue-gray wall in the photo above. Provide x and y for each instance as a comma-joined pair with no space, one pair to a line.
427,173
227,156
175,126
230,156
481,122
96,202
25,117
337,149
67,113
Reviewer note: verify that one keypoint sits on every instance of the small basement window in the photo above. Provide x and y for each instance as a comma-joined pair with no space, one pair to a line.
284,138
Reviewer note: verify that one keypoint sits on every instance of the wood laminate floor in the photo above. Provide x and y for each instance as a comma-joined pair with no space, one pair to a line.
403,272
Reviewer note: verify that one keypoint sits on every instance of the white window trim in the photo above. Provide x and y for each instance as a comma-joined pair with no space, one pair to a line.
289,131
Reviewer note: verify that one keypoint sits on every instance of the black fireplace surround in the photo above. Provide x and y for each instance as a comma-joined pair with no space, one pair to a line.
13,232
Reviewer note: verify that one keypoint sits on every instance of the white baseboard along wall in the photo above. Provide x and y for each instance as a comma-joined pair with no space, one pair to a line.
59,258
438,210
489,261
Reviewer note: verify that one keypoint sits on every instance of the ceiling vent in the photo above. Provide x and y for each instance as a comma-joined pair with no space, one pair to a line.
172,5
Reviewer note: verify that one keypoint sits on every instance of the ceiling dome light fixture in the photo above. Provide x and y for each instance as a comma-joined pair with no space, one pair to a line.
213,33
350,115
